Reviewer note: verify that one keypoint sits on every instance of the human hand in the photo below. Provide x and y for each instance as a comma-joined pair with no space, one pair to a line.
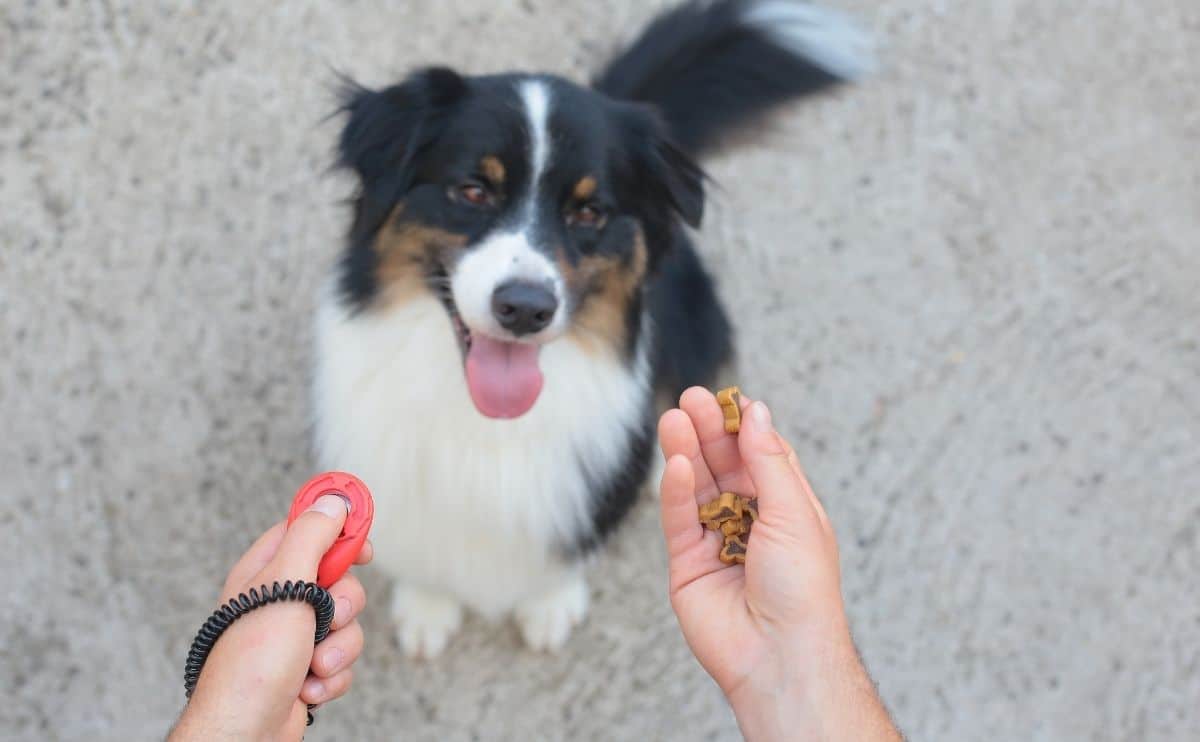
773,634
264,669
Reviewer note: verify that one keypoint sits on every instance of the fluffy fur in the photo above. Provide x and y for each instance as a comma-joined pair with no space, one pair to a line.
518,238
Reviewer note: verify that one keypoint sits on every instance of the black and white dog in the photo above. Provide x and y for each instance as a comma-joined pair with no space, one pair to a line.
518,286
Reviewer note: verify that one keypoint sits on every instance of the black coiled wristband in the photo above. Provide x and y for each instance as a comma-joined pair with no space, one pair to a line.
309,592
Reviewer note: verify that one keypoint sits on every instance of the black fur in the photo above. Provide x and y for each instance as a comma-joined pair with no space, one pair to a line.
693,334
614,494
708,72
385,134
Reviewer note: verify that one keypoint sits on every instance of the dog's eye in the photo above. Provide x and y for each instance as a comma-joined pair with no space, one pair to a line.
474,193
586,215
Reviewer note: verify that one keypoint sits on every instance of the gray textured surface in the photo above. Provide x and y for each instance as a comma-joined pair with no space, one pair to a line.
970,287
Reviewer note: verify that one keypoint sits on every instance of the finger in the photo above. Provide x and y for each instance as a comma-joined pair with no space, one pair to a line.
720,449
794,462
338,651
680,520
691,550
309,537
781,492
253,561
324,690
366,554
297,721
677,437
792,458
349,598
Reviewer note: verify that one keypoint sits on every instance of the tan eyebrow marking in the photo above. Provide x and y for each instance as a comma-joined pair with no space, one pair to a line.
585,188
493,169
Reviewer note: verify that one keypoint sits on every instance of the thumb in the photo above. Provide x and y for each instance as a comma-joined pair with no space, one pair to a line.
309,537
782,498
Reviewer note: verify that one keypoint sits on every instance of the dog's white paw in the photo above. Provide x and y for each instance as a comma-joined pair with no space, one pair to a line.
547,620
426,621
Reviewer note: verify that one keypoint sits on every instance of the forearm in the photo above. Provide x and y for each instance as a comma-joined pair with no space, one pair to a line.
819,693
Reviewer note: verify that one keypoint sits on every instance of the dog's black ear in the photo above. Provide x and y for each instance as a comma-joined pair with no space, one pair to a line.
387,128
664,174
681,179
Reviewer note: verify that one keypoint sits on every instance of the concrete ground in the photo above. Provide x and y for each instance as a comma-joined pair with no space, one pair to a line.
970,288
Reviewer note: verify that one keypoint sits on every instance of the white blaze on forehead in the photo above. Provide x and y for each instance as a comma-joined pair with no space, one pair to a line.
501,258
512,255
536,98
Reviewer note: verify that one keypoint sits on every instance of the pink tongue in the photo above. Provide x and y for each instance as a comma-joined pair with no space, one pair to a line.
504,378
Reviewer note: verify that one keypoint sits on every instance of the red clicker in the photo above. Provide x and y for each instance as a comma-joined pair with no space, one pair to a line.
358,521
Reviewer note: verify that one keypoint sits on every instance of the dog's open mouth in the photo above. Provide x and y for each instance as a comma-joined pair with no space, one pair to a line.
503,376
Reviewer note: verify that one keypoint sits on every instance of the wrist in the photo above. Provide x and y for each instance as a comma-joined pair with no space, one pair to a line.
200,723
787,692
816,687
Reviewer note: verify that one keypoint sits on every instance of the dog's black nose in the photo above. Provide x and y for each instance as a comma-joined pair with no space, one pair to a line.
523,308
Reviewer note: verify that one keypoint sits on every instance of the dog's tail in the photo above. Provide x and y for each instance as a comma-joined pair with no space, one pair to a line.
712,65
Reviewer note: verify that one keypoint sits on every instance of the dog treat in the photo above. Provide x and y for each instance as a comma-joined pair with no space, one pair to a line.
751,510
733,527
730,400
725,508
733,551
733,516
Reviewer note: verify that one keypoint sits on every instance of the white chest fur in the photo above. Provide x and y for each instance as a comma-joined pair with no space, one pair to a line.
465,504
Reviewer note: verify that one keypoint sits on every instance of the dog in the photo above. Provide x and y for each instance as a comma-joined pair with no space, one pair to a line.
519,286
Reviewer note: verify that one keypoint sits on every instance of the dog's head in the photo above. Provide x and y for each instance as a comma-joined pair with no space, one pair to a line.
534,209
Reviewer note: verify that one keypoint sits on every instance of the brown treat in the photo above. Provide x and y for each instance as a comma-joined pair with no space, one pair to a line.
730,400
749,515
734,516
734,551
726,507
732,501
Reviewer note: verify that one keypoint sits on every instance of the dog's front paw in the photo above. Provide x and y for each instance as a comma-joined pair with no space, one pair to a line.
547,620
425,621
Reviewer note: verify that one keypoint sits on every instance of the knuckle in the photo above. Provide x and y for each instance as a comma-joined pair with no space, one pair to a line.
339,684
356,636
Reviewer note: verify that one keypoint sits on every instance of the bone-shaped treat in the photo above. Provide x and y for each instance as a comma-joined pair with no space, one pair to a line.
733,516
730,400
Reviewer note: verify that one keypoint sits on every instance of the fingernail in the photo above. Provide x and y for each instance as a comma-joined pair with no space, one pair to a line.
330,505
760,416
314,690
334,659
342,612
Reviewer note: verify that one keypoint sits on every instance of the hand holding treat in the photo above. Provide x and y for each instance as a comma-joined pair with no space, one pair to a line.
764,615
